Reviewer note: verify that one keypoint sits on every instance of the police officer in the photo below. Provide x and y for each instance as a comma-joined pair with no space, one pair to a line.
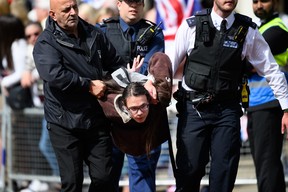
216,42
132,35
127,32
264,112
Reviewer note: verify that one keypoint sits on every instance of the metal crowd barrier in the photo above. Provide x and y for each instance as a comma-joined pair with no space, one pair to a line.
22,159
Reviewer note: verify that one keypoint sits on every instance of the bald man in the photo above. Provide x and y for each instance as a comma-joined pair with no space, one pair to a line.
70,56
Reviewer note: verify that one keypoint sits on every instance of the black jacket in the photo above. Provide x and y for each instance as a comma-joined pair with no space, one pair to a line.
67,69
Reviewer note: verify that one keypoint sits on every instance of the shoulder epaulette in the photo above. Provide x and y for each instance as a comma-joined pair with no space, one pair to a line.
101,24
246,20
203,12
149,22
191,21
111,20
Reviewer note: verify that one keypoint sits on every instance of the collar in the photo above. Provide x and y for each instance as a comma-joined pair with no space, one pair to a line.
216,19
124,26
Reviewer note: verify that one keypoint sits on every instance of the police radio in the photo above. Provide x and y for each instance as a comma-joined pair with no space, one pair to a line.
245,91
148,34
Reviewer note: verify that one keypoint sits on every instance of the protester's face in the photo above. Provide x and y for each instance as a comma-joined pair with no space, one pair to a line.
224,7
32,32
65,13
138,107
263,8
131,12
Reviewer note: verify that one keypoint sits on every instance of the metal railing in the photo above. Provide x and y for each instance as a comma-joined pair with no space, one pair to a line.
22,159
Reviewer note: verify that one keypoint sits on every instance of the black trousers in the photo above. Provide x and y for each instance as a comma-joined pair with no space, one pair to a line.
266,141
212,132
73,148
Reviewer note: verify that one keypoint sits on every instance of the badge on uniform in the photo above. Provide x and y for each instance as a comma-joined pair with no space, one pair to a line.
142,48
230,44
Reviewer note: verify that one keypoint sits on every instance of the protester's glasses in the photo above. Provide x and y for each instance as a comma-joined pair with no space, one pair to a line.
134,110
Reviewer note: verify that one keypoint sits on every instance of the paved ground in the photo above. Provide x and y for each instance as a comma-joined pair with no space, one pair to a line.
238,188
245,188
245,181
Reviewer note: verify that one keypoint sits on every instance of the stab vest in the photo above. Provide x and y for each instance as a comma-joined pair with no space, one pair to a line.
215,64
281,59
125,48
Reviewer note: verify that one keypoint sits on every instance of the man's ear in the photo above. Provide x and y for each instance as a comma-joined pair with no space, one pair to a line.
52,15
119,4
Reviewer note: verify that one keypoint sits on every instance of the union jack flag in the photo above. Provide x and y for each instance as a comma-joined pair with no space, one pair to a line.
173,12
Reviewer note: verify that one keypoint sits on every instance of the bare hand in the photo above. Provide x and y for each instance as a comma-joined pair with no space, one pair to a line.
152,91
137,64
97,88
284,124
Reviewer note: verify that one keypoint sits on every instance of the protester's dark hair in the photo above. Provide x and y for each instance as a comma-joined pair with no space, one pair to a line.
135,89
112,87
12,28
159,67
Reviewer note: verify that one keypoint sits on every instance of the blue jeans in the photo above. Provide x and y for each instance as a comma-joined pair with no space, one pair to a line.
141,170
47,149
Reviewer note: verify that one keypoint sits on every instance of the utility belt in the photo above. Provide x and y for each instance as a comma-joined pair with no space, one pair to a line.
198,98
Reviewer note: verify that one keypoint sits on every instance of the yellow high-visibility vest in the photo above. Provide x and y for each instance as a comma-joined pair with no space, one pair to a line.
282,58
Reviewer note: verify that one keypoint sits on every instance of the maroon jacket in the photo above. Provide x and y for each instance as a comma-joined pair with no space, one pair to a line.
139,138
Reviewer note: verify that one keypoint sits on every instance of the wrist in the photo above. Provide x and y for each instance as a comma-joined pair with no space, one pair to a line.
90,87
151,78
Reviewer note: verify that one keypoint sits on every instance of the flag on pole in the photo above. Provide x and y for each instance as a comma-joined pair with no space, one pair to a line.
173,12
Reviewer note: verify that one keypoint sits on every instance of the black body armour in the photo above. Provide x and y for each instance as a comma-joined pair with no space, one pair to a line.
125,48
215,65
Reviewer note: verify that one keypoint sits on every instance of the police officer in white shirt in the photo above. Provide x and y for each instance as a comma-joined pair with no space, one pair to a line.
208,97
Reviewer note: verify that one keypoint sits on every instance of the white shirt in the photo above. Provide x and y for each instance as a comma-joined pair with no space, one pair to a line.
18,50
255,49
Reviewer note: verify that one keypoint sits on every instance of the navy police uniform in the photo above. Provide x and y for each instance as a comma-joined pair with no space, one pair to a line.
207,124
125,38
